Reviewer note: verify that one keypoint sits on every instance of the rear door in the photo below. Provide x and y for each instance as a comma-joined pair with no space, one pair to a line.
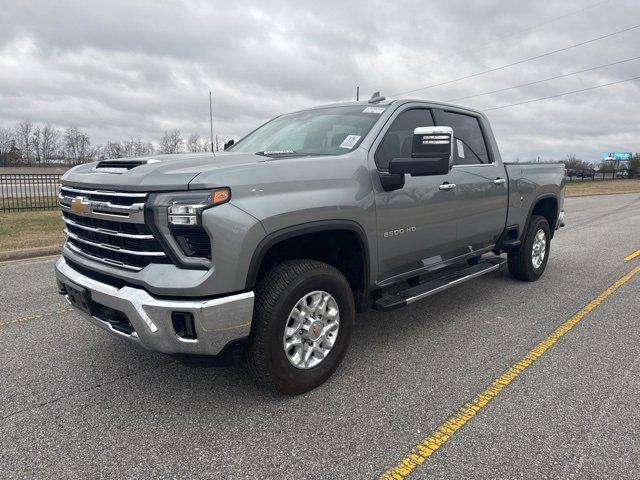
481,189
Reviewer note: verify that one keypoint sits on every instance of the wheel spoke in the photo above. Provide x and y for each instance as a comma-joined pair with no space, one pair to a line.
293,342
330,328
307,355
320,352
296,319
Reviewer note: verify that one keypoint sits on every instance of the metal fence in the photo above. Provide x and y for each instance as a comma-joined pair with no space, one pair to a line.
21,192
577,176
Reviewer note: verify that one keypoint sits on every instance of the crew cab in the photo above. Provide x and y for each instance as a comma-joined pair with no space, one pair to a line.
267,250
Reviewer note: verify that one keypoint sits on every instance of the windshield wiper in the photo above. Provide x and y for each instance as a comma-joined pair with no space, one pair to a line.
278,153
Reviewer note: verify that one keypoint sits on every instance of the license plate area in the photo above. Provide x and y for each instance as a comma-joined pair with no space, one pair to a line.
79,297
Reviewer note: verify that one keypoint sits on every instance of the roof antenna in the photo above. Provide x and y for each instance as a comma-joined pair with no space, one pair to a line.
376,98
211,121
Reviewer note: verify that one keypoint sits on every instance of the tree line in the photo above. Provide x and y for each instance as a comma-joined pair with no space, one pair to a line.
34,144
575,164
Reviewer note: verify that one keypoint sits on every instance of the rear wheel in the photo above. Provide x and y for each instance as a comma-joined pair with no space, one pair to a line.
303,318
528,261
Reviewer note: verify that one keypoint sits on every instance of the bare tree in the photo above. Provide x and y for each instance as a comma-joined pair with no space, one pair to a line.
194,143
171,142
136,147
113,150
573,164
7,144
147,148
197,143
634,166
46,142
77,145
24,140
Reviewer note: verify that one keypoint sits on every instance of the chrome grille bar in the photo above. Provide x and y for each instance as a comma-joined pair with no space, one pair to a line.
107,261
107,210
104,192
106,231
113,248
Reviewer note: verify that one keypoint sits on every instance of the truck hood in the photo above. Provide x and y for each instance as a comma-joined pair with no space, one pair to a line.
158,172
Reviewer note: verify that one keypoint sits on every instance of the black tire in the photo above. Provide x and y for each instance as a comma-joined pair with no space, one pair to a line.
520,259
277,293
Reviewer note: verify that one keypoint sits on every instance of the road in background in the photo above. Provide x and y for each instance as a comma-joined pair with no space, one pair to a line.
76,402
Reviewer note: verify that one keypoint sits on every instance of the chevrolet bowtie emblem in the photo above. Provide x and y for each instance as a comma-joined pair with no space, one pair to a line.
81,205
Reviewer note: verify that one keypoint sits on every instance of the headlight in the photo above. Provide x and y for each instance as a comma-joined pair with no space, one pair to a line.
176,220
185,208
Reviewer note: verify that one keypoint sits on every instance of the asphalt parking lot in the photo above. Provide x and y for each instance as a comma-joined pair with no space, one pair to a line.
77,403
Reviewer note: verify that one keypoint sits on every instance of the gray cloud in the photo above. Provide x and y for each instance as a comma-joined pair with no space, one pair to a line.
122,68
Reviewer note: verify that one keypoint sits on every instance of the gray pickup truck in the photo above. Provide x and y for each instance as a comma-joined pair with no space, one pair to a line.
267,250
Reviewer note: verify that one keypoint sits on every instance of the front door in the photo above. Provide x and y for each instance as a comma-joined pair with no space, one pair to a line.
417,224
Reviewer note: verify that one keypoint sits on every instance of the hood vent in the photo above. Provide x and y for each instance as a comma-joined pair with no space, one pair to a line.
120,166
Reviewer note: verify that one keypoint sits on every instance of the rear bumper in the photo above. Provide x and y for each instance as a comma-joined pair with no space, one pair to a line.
560,222
218,321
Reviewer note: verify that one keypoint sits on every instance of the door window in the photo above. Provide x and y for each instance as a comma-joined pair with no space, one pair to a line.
469,147
398,139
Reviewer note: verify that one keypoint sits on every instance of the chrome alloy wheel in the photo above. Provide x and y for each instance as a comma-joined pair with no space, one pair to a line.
539,249
311,329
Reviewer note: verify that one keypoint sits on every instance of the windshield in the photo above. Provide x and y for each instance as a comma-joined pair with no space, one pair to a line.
325,131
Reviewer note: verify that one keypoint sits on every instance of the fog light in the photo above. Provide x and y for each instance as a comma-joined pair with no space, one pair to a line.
183,325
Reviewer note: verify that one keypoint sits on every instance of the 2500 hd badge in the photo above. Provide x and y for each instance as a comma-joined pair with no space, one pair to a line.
399,231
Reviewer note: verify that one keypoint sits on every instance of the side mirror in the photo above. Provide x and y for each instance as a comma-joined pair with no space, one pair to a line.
431,154
228,144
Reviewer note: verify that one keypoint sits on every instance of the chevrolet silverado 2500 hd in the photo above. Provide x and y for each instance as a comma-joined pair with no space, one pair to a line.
268,249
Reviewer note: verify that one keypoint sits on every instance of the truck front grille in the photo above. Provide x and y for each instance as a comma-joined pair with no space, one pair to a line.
109,227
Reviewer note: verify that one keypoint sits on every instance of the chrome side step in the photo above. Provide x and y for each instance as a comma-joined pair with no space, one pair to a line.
448,280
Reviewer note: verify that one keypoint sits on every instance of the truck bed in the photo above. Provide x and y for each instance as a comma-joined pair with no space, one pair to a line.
530,182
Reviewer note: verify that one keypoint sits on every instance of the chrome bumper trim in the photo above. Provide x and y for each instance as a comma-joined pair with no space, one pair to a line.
218,321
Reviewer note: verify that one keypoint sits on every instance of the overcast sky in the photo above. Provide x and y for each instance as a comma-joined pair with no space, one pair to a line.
135,68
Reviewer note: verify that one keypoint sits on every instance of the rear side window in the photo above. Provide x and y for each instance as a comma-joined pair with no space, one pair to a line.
397,142
469,147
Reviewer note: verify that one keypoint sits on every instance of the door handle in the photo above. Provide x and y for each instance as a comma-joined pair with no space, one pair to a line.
499,181
447,186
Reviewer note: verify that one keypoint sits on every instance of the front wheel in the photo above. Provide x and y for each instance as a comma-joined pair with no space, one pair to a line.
303,319
529,260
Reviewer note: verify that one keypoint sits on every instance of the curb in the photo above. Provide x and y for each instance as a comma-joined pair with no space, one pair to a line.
22,254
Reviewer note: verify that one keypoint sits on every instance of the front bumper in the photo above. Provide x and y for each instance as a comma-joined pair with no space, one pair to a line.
218,322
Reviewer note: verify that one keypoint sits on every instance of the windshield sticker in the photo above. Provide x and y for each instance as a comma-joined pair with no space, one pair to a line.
460,146
377,110
349,141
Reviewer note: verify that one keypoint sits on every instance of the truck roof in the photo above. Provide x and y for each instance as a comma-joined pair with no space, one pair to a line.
398,101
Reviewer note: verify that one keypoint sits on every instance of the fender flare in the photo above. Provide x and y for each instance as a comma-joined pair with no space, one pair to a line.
302,229
532,206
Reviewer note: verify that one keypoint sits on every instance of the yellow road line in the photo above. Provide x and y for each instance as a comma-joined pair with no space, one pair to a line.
632,256
61,311
444,432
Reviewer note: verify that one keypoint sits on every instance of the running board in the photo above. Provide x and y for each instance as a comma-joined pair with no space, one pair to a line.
424,290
